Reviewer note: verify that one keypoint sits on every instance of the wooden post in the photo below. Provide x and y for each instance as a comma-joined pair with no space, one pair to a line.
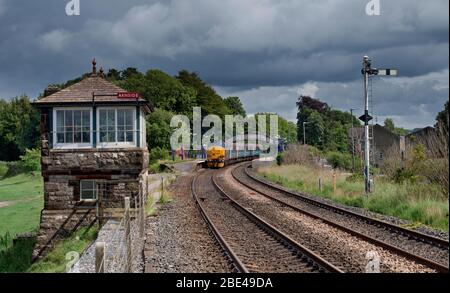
162,187
100,257
141,213
320,184
127,236
334,183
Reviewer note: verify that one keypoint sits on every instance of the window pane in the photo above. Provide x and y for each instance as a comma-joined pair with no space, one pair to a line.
60,137
111,117
120,117
86,119
59,118
87,194
103,136
77,118
87,184
111,137
69,137
69,118
129,136
103,114
129,118
77,137
86,137
121,136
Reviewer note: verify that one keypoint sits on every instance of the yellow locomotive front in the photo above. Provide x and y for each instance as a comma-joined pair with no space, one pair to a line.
216,157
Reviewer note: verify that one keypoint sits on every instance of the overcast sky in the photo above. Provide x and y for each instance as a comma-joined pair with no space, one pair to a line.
267,52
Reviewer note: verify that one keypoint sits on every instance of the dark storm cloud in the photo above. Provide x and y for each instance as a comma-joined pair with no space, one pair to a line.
248,45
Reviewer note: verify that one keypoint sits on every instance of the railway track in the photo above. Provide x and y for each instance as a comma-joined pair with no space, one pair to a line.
410,244
250,243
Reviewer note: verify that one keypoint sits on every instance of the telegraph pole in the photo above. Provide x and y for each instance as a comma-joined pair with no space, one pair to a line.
304,132
367,72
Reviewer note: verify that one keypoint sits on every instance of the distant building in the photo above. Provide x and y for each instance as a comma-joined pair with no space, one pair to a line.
383,143
422,136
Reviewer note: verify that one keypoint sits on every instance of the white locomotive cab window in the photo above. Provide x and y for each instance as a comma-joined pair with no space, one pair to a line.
117,127
72,128
88,190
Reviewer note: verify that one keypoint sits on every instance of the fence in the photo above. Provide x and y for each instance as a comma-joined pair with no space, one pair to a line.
122,251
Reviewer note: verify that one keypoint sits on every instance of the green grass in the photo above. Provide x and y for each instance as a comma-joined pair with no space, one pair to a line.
150,208
23,195
166,197
17,258
55,261
3,169
420,203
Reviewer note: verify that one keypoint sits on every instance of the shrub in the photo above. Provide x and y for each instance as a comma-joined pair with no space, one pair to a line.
355,177
298,155
279,159
401,175
158,154
339,160
31,161
3,169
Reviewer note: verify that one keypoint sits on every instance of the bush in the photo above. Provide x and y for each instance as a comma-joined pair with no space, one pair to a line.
158,154
31,161
298,155
339,160
355,177
3,169
279,159
401,175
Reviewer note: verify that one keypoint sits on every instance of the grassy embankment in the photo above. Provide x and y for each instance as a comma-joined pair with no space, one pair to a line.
422,204
21,201
55,261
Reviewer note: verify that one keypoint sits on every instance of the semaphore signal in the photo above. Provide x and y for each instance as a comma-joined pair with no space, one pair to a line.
368,71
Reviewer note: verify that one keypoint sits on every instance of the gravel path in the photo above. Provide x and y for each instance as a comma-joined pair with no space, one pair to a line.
178,240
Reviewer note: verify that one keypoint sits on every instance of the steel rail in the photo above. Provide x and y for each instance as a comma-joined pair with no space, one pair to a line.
419,259
315,260
236,262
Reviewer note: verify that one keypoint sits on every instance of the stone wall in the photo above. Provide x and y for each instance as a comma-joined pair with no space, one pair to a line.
123,161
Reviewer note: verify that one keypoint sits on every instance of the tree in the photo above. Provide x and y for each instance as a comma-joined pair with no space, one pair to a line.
158,129
314,104
207,97
442,118
286,129
235,105
389,124
326,128
19,128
